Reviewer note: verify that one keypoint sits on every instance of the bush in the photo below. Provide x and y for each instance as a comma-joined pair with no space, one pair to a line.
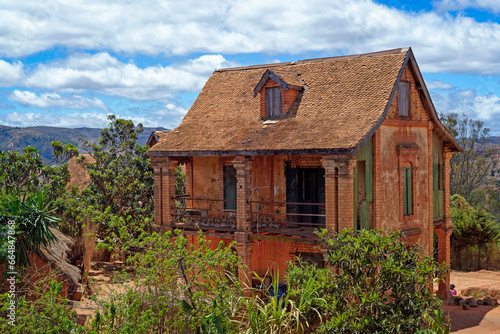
48,314
375,283
178,288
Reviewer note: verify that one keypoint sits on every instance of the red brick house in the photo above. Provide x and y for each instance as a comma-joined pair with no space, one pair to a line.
273,152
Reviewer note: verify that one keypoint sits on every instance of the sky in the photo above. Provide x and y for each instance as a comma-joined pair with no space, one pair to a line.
70,63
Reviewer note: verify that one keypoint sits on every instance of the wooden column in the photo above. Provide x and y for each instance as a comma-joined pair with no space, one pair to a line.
164,190
244,246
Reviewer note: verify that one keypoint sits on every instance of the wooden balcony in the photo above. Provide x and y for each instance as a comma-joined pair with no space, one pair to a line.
280,221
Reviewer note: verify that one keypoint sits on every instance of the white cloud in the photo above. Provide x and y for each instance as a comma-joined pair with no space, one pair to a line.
10,74
51,100
167,115
454,5
485,108
442,42
107,75
74,120
440,85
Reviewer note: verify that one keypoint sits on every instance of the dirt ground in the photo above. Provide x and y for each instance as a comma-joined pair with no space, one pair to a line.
481,319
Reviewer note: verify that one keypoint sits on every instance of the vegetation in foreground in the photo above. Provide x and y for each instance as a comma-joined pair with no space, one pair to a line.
379,285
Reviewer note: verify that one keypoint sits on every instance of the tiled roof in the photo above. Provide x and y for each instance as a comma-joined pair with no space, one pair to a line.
161,134
344,98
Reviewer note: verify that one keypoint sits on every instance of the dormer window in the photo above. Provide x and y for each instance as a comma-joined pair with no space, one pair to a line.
274,102
404,99
280,94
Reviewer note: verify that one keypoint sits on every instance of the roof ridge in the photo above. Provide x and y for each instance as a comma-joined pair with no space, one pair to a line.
316,60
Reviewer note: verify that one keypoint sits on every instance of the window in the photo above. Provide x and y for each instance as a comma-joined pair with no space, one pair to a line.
404,99
407,192
274,104
229,188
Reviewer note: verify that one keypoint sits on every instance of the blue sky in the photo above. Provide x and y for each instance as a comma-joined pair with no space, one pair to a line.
71,62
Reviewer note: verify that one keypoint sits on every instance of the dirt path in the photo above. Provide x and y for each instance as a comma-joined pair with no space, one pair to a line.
482,319
101,274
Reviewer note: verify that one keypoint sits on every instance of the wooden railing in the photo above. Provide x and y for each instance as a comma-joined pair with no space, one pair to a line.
208,214
265,214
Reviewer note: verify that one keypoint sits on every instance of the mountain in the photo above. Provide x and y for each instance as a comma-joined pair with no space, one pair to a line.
14,138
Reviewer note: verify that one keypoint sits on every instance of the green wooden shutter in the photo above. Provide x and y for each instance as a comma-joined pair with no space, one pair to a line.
410,191
441,177
407,192
435,177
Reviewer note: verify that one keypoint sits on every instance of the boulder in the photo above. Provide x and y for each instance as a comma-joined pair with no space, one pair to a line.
465,307
492,302
480,302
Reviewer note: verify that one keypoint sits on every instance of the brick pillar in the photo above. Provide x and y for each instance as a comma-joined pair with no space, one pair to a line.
331,192
377,183
444,231
243,244
243,191
244,248
164,190
430,190
341,206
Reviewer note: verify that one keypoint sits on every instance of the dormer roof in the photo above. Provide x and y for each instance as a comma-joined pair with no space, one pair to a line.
284,79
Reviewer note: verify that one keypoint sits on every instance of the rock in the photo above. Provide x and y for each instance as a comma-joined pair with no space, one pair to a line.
457,300
480,302
462,302
485,300
465,307
470,301
492,302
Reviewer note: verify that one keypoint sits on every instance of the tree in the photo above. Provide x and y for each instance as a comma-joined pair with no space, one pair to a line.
474,230
24,172
120,194
469,168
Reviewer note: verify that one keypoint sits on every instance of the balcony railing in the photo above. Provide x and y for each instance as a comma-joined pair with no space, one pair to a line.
203,214
288,218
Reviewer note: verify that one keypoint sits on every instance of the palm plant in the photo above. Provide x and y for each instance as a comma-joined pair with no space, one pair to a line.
33,215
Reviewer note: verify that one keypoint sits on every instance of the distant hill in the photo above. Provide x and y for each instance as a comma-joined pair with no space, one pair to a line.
14,138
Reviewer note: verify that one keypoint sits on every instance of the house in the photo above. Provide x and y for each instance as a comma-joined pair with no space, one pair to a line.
156,136
273,152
